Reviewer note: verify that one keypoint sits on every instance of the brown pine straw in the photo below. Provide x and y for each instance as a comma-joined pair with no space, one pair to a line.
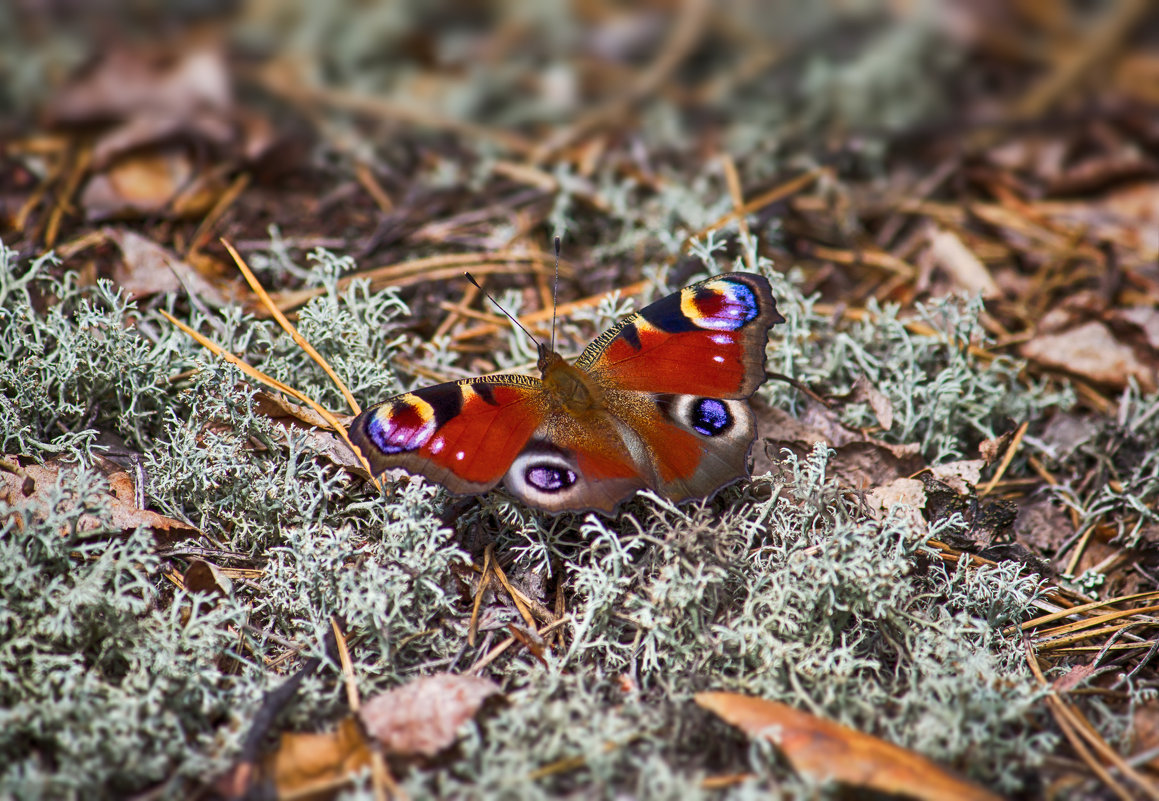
288,327
436,268
484,582
1007,458
736,192
335,426
498,650
385,786
1081,734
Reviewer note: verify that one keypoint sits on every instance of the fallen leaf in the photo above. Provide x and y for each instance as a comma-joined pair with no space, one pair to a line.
205,576
824,750
1128,216
1146,319
152,95
865,392
904,497
147,268
124,512
1092,352
309,424
961,476
1074,677
423,717
1145,732
1042,524
859,461
949,252
140,183
308,763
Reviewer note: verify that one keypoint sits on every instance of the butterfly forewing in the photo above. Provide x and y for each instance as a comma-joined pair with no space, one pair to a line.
707,339
462,434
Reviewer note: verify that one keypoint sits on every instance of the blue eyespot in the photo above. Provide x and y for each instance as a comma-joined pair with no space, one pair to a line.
710,417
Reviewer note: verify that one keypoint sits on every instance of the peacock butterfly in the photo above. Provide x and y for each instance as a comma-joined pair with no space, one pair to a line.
657,401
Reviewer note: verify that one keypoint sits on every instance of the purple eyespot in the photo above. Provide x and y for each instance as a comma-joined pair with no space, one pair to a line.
549,478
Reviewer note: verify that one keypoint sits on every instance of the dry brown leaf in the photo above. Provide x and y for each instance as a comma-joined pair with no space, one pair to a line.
278,408
1145,731
991,450
1146,319
859,461
304,764
205,576
141,183
1042,525
313,427
904,497
1127,216
961,476
153,95
123,510
1091,351
824,750
1073,677
147,268
967,271
423,717
865,392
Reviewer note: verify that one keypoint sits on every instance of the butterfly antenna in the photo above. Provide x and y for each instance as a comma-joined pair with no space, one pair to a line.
555,295
508,314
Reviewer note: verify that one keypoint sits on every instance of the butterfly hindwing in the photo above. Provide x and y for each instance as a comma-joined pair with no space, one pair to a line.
717,432
463,434
708,339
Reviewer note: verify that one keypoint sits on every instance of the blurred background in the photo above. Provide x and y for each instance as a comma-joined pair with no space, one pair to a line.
390,130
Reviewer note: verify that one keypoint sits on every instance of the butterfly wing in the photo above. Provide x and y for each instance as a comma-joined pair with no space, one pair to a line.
468,435
708,339
462,434
672,380
677,374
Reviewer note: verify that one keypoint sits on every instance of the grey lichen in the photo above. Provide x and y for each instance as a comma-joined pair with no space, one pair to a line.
783,586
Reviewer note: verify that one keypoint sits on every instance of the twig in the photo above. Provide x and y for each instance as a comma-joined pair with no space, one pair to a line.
227,199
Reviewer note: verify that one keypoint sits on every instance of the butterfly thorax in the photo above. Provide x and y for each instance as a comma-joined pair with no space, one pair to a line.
571,387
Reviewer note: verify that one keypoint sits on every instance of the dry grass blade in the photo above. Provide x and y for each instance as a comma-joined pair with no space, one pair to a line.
498,650
1077,610
258,375
484,582
790,187
384,784
516,599
544,315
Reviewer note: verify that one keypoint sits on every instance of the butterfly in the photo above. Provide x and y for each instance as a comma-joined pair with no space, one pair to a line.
658,401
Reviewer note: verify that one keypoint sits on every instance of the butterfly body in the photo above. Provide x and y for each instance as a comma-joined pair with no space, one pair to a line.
658,401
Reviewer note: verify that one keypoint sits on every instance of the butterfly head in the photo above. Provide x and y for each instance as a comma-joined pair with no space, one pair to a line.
547,358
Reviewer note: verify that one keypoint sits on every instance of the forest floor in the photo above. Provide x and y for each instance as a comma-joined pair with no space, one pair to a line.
941,581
